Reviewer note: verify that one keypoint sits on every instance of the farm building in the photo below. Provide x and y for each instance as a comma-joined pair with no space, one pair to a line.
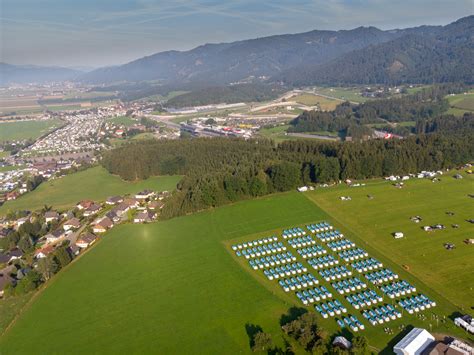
414,343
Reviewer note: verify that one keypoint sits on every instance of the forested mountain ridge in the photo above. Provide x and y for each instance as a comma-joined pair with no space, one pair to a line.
228,62
362,55
436,55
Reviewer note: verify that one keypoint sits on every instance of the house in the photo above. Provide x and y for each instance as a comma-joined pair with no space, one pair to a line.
4,232
131,202
414,343
466,322
74,249
15,254
85,204
398,235
55,236
154,205
85,240
44,251
51,216
102,225
144,217
5,280
112,215
73,223
145,194
92,210
9,196
114,200
121,209
21,221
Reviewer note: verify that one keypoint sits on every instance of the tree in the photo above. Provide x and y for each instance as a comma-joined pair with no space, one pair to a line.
47,267
262,342
62,256
360,346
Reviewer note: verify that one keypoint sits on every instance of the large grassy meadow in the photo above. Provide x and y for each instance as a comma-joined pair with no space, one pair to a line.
372,221
176,287
11,131
94,183
168,287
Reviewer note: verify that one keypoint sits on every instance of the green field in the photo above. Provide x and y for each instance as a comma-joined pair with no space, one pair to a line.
461,103
176,285
351,94
95,183
10,131
310,100
123,121
373,221
276,133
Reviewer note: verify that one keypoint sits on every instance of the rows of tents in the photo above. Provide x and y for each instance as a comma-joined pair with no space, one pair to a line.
272,256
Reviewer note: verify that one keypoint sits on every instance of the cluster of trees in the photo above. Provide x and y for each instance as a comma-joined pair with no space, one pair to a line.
303,334
446,123
26,236
221,170
30,279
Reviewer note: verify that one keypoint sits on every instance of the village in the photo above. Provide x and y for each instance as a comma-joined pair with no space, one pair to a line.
35,240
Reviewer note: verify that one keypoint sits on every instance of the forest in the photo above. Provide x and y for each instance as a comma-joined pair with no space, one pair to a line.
218,171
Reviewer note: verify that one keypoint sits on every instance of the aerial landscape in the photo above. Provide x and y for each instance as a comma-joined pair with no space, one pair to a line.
204,177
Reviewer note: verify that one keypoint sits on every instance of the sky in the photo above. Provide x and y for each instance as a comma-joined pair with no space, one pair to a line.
94,33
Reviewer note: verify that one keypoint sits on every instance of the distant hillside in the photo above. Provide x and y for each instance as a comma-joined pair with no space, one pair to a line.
438,55
22,74
230,62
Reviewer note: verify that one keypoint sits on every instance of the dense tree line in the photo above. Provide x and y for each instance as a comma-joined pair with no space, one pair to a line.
218,171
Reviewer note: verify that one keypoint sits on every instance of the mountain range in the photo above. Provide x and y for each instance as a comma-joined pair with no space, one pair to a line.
364,55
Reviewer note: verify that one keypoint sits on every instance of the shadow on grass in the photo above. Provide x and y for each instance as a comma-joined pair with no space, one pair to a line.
251,330
291,315
389,348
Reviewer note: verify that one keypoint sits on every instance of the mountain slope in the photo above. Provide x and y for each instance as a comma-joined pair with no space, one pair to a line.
22,74
230,62
439,55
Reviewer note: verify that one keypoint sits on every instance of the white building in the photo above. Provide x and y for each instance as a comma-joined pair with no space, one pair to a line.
414,342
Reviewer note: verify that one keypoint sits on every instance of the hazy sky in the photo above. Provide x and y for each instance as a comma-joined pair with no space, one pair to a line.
106,32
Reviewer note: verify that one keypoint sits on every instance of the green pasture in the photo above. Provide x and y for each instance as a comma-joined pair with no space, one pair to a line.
11,131
94,183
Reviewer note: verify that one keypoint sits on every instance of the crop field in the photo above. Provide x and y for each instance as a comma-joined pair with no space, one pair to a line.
10,131
94,183
178,286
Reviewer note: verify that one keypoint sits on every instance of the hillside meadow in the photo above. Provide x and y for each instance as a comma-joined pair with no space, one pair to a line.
94,183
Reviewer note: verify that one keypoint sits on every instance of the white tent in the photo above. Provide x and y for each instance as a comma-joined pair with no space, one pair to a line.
414,342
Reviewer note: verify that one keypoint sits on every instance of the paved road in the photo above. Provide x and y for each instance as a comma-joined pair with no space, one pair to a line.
314,136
